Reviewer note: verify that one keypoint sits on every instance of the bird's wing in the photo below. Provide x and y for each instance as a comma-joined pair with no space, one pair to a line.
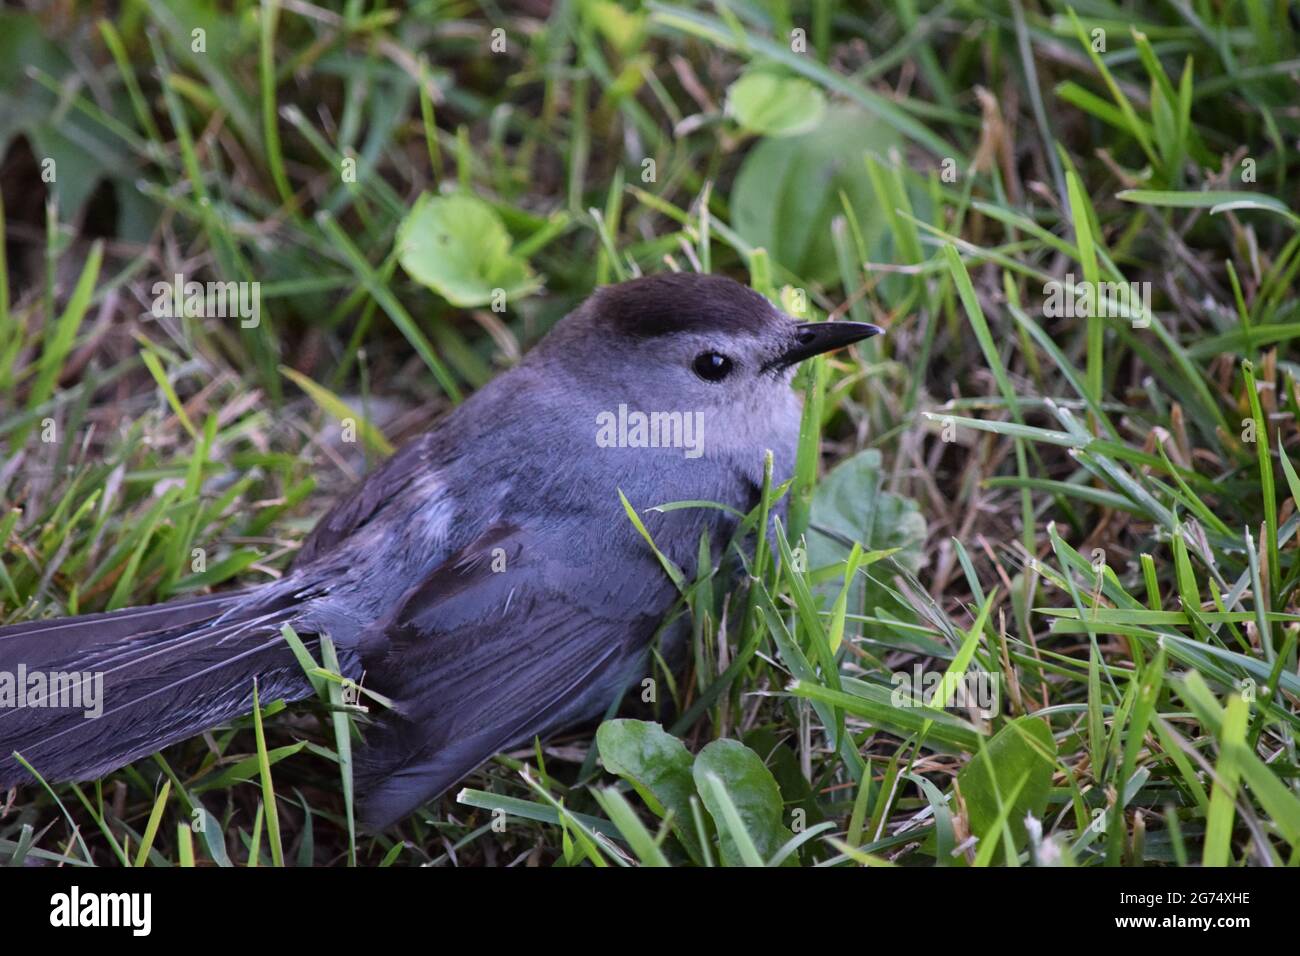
385,483
503,642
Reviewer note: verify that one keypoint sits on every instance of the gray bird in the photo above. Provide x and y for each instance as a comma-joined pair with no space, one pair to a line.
486,578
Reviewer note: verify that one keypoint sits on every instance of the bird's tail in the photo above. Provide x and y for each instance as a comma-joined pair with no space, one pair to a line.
82,696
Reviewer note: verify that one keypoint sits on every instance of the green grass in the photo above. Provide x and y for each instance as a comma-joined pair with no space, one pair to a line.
1110,502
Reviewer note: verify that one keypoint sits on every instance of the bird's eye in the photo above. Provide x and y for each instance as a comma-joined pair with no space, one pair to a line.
712,366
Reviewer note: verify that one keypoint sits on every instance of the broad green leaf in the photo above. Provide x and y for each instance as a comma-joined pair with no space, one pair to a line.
76,152
753,792
655,763
1020,755
459,247
788,191
771,102
852,502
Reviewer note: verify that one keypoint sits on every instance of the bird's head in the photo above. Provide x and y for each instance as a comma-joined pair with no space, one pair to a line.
695,341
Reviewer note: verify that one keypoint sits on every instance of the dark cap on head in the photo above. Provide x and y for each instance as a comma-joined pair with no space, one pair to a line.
681,302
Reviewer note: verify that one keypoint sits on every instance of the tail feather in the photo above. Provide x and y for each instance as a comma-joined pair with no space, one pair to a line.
51,636
82,696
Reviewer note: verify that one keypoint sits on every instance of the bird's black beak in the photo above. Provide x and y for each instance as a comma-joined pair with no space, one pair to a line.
814,338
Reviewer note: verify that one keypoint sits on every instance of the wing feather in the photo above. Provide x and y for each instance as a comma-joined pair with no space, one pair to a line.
478,660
